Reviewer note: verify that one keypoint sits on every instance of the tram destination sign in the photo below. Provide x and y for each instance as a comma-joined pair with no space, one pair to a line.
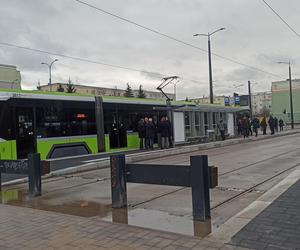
14,166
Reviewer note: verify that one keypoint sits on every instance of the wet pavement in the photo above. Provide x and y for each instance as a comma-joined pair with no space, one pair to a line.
25,228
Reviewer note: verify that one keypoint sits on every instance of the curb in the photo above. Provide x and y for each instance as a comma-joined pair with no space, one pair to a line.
143,156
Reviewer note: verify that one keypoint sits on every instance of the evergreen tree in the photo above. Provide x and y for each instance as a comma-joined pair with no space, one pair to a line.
70,87
60,88
128,91
187,99
141,93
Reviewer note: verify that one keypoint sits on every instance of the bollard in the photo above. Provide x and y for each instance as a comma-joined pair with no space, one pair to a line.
34,175
200,187
118,181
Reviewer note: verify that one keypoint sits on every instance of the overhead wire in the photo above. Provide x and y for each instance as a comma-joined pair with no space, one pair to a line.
173,38
281,18
88,60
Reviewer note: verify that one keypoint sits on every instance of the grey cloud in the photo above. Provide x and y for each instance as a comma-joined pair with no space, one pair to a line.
253,36
152,75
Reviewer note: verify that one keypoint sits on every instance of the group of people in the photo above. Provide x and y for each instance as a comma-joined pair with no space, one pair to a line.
147,131
248,126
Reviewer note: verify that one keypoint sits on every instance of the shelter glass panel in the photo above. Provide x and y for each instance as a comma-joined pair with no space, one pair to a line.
187,119
206,122
197,123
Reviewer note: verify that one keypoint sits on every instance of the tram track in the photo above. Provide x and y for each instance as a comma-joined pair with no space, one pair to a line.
248,190
229,172
224,152
95,180
244,192
67,176
260,161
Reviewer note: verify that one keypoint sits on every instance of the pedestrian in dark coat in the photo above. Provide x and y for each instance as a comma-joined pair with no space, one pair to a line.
276,124
250,127
164,130
150,133
255,125
245,127
222,129
170,132
272,125
240,128
281,124
141,131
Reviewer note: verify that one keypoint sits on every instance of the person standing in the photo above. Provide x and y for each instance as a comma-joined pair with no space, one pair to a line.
276,124
146,121
239,126
263,125
222,129
281,124
272,125
150,133
170,132
245,126
255,125
164,130
141,132
250,126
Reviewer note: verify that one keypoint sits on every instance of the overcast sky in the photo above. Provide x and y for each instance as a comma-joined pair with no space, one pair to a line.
253,36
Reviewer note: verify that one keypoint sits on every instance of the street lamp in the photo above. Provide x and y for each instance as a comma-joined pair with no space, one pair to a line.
50,67
208,35
291,92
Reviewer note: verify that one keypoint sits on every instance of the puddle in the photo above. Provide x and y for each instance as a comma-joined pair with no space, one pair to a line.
141,217
79,208
159,220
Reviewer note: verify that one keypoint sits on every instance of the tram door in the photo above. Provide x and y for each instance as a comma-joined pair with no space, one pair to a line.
24,132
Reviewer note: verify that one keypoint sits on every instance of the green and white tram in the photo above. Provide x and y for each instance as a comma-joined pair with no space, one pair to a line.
59,124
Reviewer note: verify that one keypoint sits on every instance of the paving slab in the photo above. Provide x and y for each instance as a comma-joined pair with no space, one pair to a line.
277,226
25,228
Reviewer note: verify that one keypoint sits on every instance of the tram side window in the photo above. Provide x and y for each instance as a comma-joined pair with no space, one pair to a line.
6,125
57,121
81,122
50,122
